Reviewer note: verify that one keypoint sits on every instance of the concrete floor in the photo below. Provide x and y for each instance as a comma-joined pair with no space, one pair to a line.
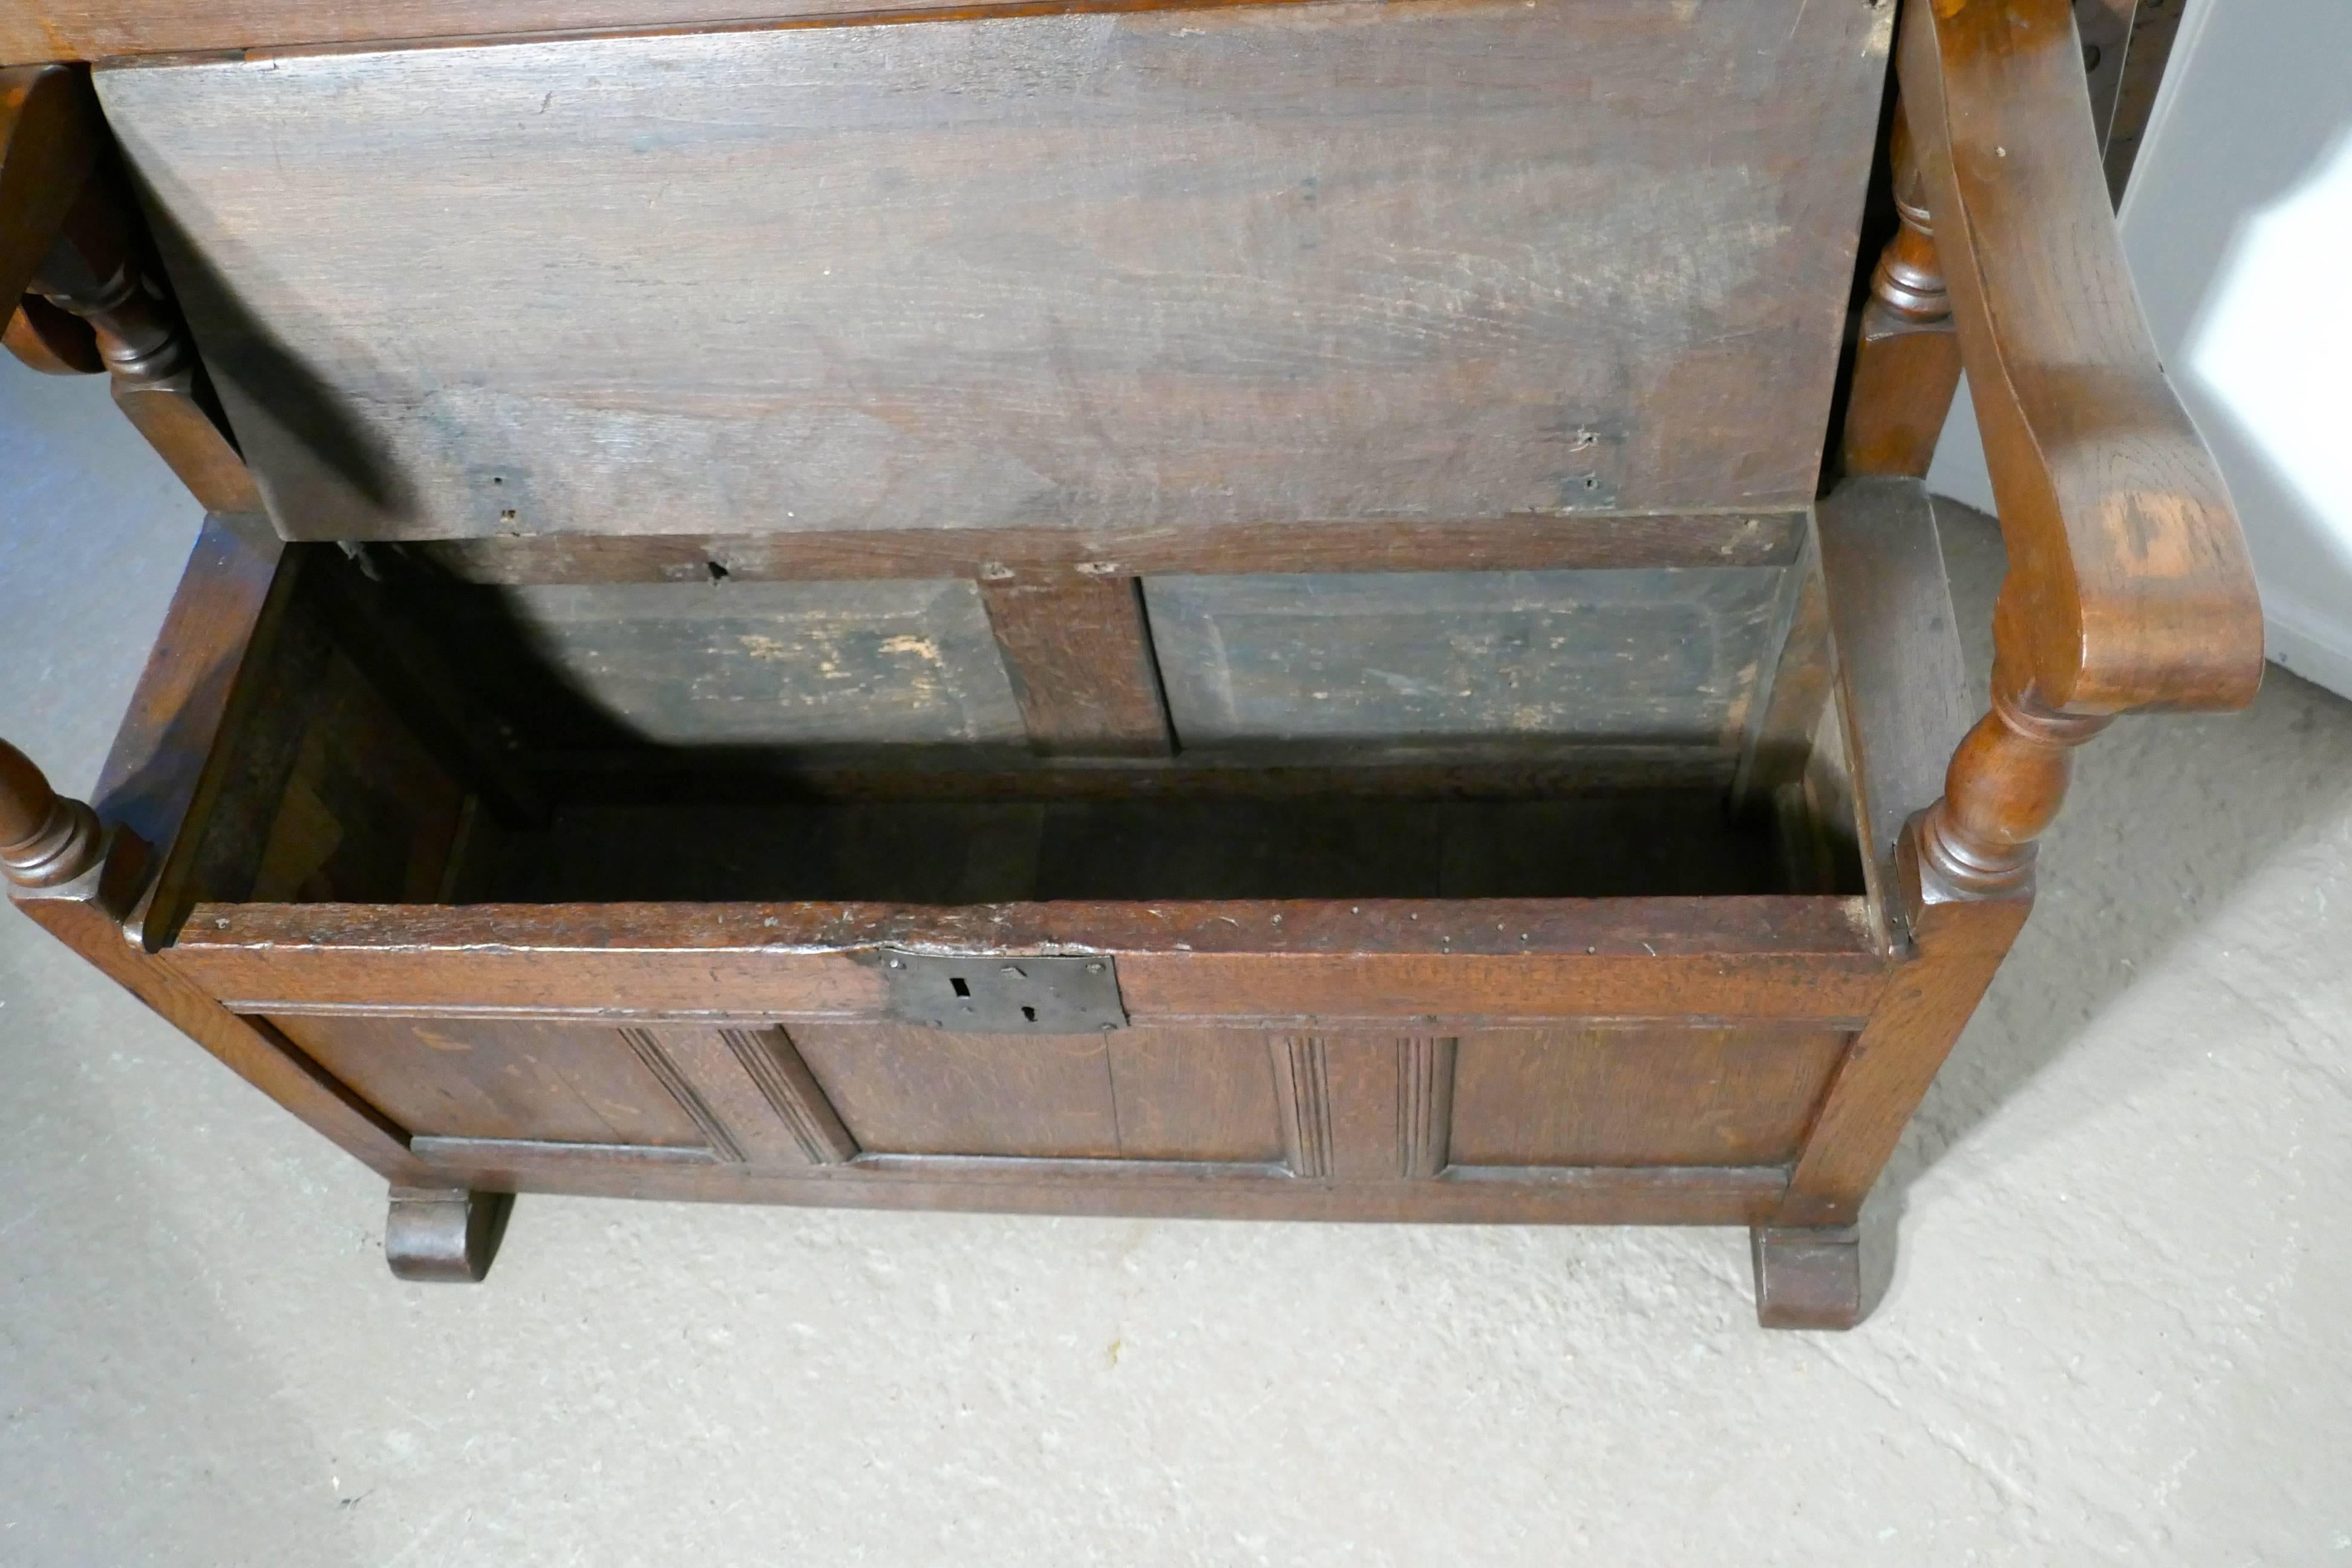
2115,1330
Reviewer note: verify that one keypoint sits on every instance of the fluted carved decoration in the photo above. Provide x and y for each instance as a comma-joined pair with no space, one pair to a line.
45,838
2006,780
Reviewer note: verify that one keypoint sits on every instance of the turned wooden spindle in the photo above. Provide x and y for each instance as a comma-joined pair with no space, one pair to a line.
94,272
1908,279
1907,362
45,838
71,244
2006,780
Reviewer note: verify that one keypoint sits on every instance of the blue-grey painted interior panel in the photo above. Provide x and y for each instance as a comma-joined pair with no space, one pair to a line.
1655,658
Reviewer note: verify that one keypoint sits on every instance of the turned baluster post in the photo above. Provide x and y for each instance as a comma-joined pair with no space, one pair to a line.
1908,280
71,244
45,838
97,273
1906,359
2004,786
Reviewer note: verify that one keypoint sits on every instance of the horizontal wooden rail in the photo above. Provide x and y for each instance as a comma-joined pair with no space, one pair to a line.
1500,959
1579,1194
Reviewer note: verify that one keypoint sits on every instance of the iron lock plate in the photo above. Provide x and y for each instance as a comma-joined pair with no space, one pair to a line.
997,994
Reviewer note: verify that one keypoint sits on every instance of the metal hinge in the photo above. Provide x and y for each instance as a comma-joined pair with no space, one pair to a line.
994,994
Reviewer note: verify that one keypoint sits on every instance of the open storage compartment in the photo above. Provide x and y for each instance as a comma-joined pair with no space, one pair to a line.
1304,610
605,889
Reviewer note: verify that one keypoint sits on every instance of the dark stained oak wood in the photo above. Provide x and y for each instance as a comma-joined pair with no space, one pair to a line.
1907,364
568,1082
1652,1095
1905,702
50,142
1502,959
1424,1105
1807,1277
1957,944
903,1089
1302,1080
1193,1094
2129,583
87,915
757,1085
1116,484
1903,682
178,714
2006,781
1143,1094
1080,658
1779,745
68,233
444,1235
52,339
1029,282
45,838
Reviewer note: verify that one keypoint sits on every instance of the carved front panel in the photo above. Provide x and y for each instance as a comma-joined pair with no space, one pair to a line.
1359,1106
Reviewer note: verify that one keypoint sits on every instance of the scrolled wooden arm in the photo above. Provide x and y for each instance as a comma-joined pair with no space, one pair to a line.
2131,582
2128,584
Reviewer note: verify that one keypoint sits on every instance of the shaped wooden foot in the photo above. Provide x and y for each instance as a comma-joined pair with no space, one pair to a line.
1807,1277
444,1232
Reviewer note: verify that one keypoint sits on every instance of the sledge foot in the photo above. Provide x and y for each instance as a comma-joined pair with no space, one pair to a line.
1807,1277
444,1232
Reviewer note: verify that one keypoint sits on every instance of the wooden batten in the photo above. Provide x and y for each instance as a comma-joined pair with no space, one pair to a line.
1586,541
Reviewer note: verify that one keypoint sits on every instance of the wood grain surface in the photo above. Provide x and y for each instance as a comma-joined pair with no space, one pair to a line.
802,663
1655,657
1501,959
1080,656
36,30
1527,542
2129,585
498,1078
1905,696
1646,1095
1258,264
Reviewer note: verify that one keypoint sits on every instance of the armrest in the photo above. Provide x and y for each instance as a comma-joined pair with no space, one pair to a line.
2129,585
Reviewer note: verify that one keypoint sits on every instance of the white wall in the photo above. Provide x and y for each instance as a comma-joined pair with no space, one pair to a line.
2238,223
